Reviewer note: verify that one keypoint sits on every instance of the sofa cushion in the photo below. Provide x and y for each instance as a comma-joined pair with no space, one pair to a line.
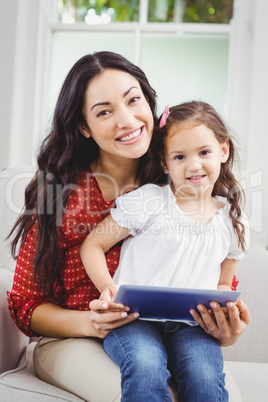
13,181
12,341
251,378
23,380
22,383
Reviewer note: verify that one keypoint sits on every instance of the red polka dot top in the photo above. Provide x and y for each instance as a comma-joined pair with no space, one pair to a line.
86,208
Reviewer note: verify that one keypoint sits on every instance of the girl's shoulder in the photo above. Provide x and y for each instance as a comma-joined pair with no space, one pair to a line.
146,191
151,189
222,204
147,199
224,211
149,194
222,200
225,205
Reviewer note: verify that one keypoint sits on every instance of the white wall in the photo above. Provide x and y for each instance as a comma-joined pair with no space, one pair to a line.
7,47
169,60
22,28
258,106
248,107
248,110
23,80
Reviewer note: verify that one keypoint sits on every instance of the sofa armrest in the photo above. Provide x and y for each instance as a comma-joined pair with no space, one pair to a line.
12,341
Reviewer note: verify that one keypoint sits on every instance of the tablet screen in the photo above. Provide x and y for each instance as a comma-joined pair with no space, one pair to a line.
167,303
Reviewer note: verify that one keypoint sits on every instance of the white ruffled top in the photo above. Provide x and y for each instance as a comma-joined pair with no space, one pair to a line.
168,248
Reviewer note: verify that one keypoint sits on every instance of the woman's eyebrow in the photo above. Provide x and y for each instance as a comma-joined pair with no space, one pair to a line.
108,103
100,104
127,92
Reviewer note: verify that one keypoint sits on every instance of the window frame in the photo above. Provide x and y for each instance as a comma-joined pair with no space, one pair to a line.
140,27
45,17
143,26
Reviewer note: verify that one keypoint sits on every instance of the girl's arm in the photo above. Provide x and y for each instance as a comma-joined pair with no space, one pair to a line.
104,236
228,268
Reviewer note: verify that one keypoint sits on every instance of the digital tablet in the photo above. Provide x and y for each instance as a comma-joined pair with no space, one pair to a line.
165,303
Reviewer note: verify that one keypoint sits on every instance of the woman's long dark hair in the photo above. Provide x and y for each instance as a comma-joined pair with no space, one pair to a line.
193,114
63,156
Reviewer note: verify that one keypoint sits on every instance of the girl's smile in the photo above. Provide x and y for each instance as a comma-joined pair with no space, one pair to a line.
193,158
196,179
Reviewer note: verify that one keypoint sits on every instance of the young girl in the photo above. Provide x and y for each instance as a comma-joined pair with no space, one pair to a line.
186,234
97,149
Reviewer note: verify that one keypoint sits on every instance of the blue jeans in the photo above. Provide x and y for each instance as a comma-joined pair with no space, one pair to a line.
150,352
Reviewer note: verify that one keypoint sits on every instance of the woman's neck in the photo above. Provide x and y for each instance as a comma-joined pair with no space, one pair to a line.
115,177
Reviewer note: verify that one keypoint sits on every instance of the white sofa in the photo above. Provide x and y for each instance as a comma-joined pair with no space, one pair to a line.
247,361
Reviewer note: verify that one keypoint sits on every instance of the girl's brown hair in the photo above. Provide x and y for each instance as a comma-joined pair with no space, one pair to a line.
196,113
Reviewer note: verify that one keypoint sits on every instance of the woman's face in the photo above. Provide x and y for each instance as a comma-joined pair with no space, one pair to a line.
118,115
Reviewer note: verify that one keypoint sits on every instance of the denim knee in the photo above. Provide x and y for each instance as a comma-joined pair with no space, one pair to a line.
143,363
145,377
138,355
139,352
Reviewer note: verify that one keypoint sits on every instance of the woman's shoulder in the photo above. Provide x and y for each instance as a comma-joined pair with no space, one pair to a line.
86,188
84,176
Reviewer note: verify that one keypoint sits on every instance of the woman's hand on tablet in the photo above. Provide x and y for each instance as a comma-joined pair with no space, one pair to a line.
224,324
106,316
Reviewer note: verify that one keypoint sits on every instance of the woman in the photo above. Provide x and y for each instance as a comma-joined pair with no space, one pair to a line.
96,150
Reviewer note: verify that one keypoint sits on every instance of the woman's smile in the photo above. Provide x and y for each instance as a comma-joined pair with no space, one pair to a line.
131,137
117,113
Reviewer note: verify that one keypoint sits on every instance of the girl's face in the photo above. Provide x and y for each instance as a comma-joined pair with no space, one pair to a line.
193,158
118,115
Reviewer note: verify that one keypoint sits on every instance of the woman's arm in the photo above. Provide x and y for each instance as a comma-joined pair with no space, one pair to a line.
54,321
104,236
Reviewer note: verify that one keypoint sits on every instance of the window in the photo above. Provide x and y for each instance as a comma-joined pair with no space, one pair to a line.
183,60
106,11
98,11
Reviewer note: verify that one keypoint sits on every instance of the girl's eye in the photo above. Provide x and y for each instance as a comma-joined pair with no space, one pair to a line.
179,157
